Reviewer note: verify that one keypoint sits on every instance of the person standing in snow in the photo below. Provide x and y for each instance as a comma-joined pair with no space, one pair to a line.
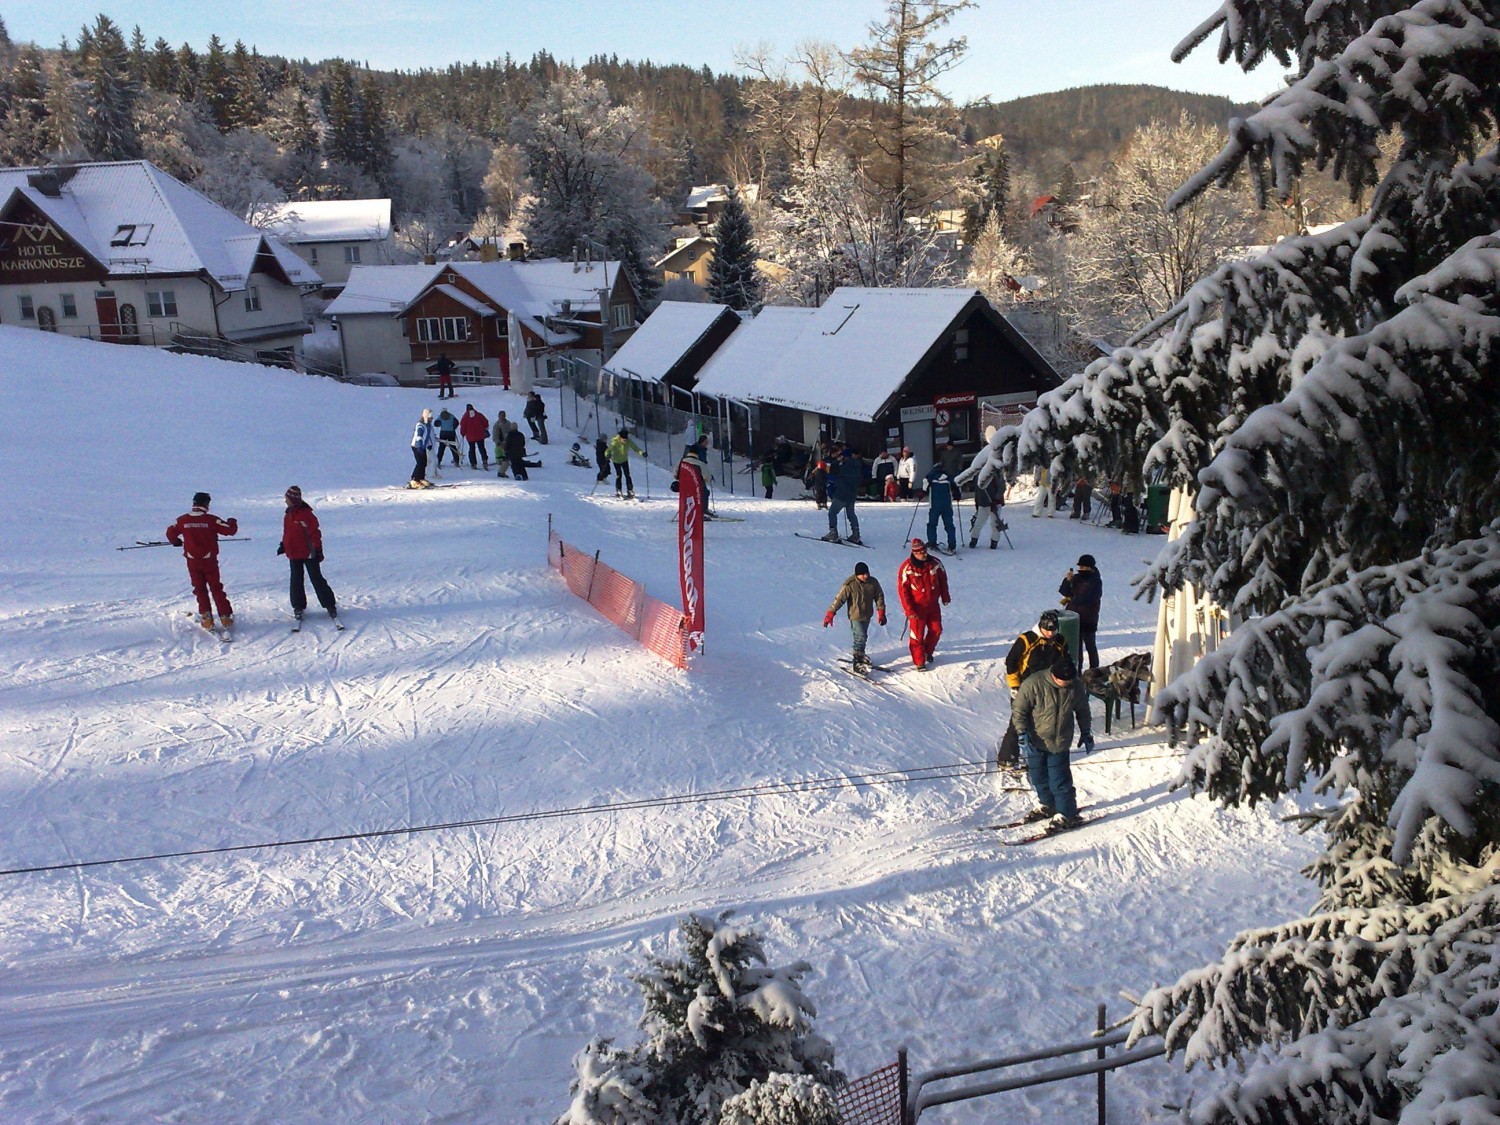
865,599
989,495
475,428
1046,710
601,458
423,439
498,433
443,369
1083,493
768,476
1083,593
1034,651
1043,495
302,544
447,428
845,482
906,474
883,469
922,587
940,490
515,453
197,533
618,452
535,414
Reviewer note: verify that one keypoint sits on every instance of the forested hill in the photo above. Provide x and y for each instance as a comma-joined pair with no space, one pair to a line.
1084,125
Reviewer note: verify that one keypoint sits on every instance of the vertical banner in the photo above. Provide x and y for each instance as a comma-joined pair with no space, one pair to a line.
690,549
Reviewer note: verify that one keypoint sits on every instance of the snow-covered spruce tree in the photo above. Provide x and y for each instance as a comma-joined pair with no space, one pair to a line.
782,1099
716,1021
733,278
1333,404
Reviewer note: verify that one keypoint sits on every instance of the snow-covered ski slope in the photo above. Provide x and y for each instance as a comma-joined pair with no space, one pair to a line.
451,975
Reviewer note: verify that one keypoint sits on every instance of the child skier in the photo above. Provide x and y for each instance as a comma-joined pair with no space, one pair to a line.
865,598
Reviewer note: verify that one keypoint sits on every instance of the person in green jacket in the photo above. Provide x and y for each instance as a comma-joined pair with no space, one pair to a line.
1048,708
865,599
618,452
768,477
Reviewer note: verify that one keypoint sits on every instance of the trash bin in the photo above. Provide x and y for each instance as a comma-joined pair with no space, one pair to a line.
1156,507
1067,625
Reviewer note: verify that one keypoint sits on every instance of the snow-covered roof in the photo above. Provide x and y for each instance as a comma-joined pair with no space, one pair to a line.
135,219
382,289
701,195
468,302
846,359
331,220
667,335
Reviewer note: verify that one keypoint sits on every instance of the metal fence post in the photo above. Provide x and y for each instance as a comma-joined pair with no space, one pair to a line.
1099,1078
904,1075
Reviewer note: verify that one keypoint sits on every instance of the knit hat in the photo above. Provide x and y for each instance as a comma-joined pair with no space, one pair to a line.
861,568
1086,560
1064,669
294,495
1048,619
202,499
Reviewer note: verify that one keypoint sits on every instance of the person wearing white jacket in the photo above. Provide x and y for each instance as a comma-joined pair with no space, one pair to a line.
423,438
906,473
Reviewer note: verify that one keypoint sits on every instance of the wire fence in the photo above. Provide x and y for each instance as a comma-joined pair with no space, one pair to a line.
876,1099
658,627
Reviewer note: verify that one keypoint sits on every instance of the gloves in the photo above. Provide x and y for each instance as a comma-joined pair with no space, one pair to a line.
828,619
1086,742
880,618
318,555
281,548
175,542
1025,740
947,601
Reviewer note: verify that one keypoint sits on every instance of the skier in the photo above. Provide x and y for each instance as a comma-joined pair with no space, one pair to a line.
1082,592
1045,712
197,533
906,473
939,488
922,586
302,544
865,598
601,458
423,438
447,428
1043,495
988,497
515,453
535,414
498,433
618,453
1034,651
475,428
845,482
443,369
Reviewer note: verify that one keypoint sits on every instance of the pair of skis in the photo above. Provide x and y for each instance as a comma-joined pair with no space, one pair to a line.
1045,831
824,539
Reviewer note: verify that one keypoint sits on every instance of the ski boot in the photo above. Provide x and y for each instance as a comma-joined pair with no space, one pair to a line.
832,537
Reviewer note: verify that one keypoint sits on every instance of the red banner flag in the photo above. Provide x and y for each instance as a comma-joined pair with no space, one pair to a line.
690,503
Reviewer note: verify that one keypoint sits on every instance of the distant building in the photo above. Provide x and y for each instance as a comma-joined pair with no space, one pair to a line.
690,260
499,322
335,235
124,253
705,202
674,342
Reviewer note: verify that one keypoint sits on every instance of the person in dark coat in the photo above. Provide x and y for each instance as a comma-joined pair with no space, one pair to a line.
515,453
444,369
1034,651
846,480
941,492
1047,709
302,544
1083,592
601,449
535,413
861,592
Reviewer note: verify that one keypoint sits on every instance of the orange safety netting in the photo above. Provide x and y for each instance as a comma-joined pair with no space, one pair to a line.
658,626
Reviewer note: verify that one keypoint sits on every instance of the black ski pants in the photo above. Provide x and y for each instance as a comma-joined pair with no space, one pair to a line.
313,569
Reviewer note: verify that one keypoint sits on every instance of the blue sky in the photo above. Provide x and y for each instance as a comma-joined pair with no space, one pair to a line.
1016,47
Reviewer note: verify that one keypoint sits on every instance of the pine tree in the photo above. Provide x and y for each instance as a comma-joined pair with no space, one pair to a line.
374,130
717,1021
161,68
343,140
23,134
247,102
108,128
733,276
215,85
991,191
187,73
1331,402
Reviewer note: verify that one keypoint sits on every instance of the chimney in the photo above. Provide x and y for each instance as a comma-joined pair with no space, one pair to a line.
489,252
575,259
516,251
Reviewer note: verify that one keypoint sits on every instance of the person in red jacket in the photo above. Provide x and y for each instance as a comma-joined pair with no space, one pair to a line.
197,533
922,586
474,428
302,544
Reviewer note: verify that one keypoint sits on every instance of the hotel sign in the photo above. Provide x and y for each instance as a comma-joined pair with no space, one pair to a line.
32,249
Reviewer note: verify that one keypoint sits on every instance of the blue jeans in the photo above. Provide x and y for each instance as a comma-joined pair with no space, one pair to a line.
1052,778
846,506
932,521
861,631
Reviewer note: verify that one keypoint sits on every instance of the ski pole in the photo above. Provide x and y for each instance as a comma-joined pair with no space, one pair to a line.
139,543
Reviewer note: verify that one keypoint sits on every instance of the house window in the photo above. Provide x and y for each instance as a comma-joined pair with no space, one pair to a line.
28,308
313,258
621,316
351,255
67,304
455,328
161,302
131,234
429,329
252,299
961,345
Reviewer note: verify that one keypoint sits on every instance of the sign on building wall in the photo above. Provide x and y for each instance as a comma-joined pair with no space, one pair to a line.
35,250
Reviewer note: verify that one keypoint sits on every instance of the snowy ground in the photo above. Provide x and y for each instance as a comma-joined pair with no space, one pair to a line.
451,975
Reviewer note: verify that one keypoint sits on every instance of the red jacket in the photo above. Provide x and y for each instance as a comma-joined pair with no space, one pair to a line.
197,533
921,586
474,426
300,537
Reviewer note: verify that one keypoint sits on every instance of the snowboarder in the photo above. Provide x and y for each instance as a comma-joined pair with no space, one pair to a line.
1083,592
1045,712
940,490
619,457
1034,651
922,586
989,495
601,458
443,369
535,414
197,533
475,428
447,428
515,453
906,473
865,599
846,480
302,544
423,438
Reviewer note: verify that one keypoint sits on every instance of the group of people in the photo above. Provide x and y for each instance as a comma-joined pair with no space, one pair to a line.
442,433
198,532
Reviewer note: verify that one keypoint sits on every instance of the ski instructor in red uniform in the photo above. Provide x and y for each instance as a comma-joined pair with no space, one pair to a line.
197,533
922,585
